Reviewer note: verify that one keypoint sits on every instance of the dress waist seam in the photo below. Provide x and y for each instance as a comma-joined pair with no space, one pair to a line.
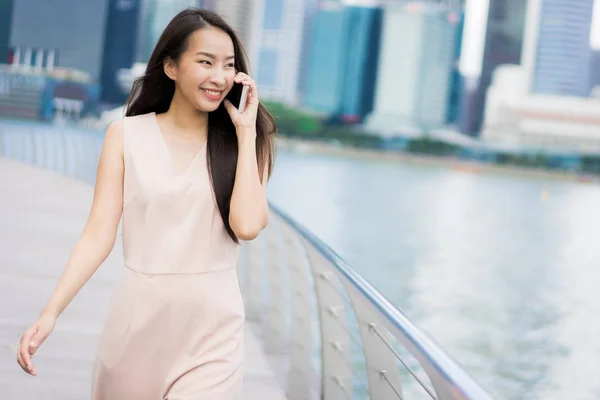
226,268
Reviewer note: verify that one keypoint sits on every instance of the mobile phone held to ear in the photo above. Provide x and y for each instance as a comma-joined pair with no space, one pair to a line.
243,99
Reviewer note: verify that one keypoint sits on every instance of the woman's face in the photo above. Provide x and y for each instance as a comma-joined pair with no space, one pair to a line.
205,71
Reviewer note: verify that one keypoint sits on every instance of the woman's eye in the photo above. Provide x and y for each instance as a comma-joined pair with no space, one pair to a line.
230,65
204,62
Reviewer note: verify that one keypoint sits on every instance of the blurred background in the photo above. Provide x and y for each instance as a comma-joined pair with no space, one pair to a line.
448,150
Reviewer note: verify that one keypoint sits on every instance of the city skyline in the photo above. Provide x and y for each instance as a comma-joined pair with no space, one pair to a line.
430,66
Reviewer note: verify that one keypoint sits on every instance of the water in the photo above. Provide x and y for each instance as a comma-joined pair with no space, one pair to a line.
502,271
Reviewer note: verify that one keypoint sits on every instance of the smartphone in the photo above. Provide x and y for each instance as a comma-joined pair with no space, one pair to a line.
243,99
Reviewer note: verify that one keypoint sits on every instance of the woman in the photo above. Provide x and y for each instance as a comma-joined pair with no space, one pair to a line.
187,172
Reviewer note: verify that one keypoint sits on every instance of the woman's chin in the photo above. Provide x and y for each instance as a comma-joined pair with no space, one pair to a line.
207,106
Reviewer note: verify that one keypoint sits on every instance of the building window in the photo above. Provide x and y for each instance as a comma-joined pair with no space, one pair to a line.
273,14
267,67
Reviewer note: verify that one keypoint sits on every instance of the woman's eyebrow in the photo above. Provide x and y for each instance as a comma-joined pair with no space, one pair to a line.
209,55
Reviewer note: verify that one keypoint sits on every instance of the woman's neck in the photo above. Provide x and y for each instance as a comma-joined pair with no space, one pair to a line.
187,121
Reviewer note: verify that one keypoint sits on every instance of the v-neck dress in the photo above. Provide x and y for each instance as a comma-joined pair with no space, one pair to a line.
175,326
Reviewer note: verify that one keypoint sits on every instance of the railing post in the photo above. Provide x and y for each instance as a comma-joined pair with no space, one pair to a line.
302,374
382,369
2,144
39,154
33,148
254,279
335,346
275,327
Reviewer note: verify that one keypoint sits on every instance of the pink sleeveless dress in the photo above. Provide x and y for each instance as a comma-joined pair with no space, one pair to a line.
175,326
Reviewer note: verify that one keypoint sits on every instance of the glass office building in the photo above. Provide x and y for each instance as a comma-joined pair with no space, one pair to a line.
73,29
415,70
503,44
6,10
563,53
343,61
155,15
119,46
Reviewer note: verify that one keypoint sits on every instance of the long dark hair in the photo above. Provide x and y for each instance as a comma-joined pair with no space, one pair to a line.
154,91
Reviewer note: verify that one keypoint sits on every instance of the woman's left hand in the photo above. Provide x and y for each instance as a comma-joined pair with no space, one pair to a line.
245,120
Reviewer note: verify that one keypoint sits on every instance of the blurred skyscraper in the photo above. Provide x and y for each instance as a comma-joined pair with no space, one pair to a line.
6,11
310,10
544,102
56,55
417,57
557,54
71,32
454,99
243,16
492,36
155,15
594,80
119,46
279,42
272,32
343,61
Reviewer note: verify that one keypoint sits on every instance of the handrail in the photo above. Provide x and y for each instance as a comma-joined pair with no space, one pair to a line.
458,384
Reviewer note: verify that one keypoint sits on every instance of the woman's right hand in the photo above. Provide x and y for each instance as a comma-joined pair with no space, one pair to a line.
32,339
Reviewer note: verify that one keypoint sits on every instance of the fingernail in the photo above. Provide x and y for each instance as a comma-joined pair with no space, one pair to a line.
33,344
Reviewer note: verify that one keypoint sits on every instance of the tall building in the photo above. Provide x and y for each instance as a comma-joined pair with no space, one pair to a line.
544,102
6,11
155,16
279,41
557,52
327,59
453,110
310,11
343,61
243,16
413,79
71,32
274,35
271,32
119,46
594,78
497,41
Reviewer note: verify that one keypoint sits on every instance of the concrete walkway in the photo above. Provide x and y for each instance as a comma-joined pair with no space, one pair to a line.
41,216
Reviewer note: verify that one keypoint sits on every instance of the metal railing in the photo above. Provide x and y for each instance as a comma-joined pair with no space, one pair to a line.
362,335
328,332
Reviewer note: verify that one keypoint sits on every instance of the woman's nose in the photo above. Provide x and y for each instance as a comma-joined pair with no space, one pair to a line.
218,78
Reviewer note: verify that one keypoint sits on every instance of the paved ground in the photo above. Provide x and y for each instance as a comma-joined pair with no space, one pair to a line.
41,216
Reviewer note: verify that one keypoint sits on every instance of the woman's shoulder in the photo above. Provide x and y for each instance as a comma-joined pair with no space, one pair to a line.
137,123
139,117
123,127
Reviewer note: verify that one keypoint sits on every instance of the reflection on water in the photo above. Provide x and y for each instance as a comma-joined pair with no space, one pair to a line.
502,271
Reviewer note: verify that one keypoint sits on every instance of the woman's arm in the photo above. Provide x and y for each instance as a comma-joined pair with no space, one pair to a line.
98,236
249,209
92,248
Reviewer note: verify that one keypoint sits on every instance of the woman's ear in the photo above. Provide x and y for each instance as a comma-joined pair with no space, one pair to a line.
170,69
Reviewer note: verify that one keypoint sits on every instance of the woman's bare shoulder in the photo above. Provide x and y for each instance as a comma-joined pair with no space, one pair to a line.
114,136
